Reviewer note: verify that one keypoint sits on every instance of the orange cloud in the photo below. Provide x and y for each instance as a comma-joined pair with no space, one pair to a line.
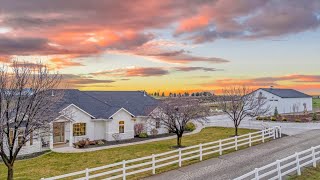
60,63
132,72
193,23
76,81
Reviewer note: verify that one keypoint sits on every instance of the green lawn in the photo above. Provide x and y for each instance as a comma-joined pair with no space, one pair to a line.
52,164
310,173
316,103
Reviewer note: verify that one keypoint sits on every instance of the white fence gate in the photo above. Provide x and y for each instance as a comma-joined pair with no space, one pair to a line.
152,163
285,166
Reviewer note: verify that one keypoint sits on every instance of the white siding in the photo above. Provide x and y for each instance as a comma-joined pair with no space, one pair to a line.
27,149
113,126
150,124
99,130
285,105
79,116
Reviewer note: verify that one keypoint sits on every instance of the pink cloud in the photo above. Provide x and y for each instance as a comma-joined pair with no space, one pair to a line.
86,28
296,81
133,72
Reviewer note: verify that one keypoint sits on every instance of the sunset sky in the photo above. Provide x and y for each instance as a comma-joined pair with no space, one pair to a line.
166,45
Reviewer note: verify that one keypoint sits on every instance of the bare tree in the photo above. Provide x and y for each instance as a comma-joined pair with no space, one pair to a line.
175,114
25,96
241,102
138,129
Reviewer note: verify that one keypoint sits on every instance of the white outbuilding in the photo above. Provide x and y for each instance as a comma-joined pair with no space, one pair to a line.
285,100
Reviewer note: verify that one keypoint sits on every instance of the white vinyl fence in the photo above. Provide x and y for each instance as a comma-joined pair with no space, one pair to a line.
285,166
121,170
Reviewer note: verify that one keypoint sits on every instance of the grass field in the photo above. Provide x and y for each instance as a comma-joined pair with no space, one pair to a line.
52,164
316,103
308,174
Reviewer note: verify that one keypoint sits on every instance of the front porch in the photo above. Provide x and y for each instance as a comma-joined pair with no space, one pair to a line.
62,134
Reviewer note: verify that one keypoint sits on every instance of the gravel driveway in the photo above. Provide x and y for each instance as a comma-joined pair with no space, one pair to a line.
289,128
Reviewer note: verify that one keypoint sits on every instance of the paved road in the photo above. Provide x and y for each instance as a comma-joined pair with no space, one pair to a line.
289,128
238,163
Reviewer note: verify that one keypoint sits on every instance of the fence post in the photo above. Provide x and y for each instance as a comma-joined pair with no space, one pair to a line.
274,133
279,169
220,147
87,174
250,140
200,149
263,136
153,164
298,164
124,169
314,162
280,132
180,159
256,174
236,142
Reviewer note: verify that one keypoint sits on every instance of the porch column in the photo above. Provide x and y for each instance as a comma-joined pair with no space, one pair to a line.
71,134
51,135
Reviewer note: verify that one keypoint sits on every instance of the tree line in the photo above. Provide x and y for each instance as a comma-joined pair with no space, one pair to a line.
184,94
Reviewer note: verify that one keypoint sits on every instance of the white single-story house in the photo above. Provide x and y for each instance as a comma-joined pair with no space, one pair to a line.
285,100
97,115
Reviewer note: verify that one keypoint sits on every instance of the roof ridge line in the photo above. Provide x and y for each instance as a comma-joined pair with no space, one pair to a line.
96,99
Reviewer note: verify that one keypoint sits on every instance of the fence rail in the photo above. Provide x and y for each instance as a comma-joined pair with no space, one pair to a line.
155,161
285,166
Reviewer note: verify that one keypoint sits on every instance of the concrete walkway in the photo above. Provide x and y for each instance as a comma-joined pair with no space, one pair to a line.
238,163
289,128
67,149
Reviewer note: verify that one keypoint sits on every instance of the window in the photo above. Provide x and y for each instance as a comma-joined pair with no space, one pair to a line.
157,123
121,126
79,129
20,138
11,135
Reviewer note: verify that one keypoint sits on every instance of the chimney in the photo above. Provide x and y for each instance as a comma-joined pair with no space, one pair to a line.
144,93
52,94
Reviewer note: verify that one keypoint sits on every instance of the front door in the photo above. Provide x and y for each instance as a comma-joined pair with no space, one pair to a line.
58,132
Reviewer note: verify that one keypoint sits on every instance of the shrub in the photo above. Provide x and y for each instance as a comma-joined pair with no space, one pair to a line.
143,135
259,118
284,119
80,144
100,142
298,120
190,126
273,118
314,117
154,132
266,118
116,137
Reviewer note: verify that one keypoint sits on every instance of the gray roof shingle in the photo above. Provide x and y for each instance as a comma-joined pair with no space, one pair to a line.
103,104
136,102
286,93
